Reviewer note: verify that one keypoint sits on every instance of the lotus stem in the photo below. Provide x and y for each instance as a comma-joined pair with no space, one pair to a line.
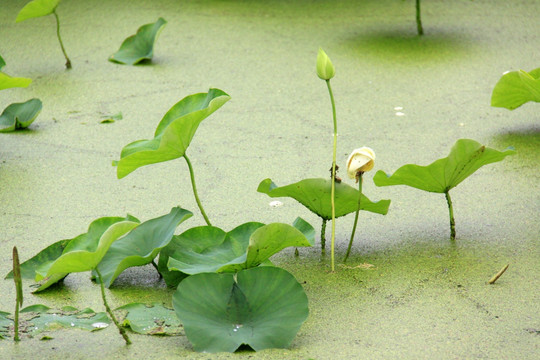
18,290
323,237
451,213
192,176
333,182
68,62
109,311
360,179
418,19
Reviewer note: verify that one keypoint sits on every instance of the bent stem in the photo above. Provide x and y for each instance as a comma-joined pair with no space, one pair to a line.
333,191
418,19
451,213
355,216
109,311
192,176
68,62
323,237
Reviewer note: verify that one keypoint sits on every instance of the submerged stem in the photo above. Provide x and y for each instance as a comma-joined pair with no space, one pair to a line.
333,182
451,213
192,176
109,311
418,19
355,216
323,237
68,62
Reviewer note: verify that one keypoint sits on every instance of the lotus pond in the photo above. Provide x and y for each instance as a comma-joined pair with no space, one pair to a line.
263,158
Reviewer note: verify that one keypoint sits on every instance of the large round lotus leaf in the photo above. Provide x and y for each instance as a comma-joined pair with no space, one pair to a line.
315,194
19,115
140,46
264,308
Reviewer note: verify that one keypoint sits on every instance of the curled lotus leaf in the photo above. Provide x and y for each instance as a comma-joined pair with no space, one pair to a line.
464,159
20,115
140,46
173,134
315,194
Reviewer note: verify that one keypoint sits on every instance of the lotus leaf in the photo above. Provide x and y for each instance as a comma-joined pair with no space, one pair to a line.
7,81
515,88
35,319
262,307
37,8
315,195
140,46
465,157
210,249
84,252
141,245
152,319
173,134
19,115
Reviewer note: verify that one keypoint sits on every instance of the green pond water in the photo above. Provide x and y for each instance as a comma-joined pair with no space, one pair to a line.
424,297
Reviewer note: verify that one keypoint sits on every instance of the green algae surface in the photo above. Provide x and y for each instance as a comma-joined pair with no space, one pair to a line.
406,292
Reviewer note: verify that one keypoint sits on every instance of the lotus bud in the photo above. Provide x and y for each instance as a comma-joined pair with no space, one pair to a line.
325,69
360,161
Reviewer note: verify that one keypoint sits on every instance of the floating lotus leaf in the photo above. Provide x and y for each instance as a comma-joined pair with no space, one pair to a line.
263,308
37,8
36,319
152,319
515,88
140,46
315,194
173,134
141,245
464,159
19,115
210,249
84,252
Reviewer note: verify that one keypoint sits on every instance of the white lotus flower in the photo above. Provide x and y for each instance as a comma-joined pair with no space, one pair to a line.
360,160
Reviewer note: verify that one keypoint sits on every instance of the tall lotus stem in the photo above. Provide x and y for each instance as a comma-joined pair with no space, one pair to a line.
418,19
355,215
18,290
68,62
451,213
109,311
192,176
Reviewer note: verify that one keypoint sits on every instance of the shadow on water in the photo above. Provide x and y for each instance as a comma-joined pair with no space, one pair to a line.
406,47
526,141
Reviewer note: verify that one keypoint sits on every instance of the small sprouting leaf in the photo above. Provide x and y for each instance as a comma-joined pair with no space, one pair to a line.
17,277
155,319
141,245
19,115
140,46
2,63
210,249
515,88
464,159
315,194
37,8
173,134
264,308
85,251
7,81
